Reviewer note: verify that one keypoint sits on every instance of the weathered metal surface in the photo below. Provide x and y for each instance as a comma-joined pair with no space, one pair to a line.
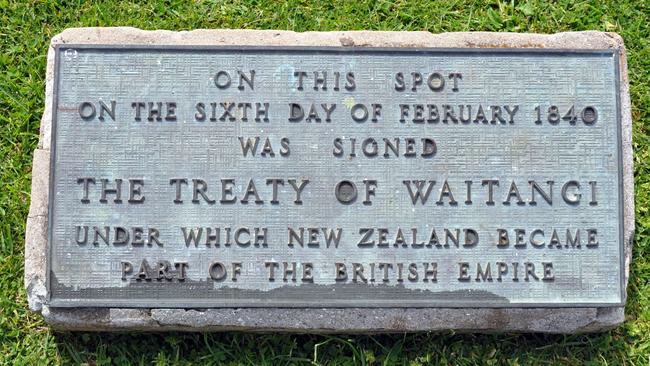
153,153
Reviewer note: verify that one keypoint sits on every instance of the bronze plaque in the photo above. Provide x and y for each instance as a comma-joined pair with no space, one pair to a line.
331,177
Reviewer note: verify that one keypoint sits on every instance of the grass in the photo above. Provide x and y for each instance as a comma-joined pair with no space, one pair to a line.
25,30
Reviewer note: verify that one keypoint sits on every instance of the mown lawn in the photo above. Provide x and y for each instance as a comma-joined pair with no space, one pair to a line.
25,30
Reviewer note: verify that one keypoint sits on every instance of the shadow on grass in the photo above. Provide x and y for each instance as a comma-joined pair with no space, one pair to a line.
283,348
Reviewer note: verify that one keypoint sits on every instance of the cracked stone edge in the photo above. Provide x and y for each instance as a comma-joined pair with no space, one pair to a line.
318,320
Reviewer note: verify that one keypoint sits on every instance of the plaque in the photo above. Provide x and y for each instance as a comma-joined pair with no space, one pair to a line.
269,176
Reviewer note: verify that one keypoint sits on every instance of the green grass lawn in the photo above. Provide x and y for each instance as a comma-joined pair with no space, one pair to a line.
25,31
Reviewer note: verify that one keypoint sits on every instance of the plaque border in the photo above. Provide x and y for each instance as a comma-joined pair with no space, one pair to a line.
375,303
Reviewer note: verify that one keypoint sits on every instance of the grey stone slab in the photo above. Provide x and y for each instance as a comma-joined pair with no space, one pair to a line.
356,320
36,231
369,320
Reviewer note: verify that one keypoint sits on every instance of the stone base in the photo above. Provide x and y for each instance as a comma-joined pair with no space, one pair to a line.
348,320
